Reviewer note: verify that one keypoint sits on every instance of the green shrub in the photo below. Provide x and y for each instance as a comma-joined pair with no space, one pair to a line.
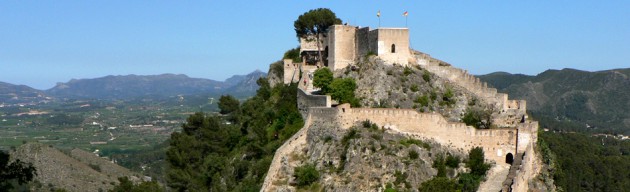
293,54
413,154
407,71
423,100
426,76
440,164
477,118
439,184
306,175
452,161
323,78
414,88
342,90
476,162
349,136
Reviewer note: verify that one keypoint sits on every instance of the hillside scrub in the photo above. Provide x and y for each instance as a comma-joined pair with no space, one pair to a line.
464,181
382,85
478,118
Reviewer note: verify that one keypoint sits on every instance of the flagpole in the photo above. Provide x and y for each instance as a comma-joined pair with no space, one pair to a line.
406,14
378,14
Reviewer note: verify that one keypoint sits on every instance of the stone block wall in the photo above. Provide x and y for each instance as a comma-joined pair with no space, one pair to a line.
306,101
508,112
497,143
393,45
362,42
341,46
291,71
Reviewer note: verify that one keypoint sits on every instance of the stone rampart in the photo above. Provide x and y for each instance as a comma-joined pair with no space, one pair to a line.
306,101
497,143
341,46
508,112
291,72
528,170
282,153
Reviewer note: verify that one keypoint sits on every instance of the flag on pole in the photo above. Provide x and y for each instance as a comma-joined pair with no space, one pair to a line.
378,14
406,13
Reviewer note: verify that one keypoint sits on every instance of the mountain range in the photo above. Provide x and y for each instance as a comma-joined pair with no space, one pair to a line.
593,101
133,86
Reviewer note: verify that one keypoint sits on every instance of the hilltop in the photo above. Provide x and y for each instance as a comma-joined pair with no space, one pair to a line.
10,93
134,86
74,170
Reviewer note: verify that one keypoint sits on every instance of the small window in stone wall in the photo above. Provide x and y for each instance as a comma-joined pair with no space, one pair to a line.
393,48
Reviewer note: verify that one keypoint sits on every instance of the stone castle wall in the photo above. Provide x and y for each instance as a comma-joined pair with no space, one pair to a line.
341,46
393,45
497,143
344,45
509,113
528,170
291,71
306,101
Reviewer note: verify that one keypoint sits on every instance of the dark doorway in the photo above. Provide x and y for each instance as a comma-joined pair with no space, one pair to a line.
509,158
393,48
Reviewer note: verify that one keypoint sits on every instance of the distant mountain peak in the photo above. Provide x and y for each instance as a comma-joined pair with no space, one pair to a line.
161,85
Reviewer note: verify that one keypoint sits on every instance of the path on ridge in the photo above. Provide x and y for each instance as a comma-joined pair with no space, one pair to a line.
494,178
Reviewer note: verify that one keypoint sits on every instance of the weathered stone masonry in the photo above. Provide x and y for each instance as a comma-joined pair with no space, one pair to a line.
345,45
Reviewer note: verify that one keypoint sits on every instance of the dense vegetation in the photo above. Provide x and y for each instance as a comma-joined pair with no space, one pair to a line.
293,54
597,101
233,152
126,185
587,163
464,181
340,89
314,24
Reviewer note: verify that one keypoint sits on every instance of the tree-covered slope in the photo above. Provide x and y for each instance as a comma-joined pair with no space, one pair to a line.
599,100
233,152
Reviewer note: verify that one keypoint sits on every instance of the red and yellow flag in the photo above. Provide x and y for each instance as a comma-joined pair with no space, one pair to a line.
406,13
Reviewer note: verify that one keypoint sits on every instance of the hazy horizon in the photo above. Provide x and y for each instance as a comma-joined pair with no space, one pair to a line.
44,43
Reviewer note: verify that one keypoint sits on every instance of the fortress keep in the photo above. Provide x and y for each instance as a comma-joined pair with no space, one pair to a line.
343,45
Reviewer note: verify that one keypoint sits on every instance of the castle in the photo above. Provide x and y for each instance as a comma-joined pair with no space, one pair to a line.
344,45
512,143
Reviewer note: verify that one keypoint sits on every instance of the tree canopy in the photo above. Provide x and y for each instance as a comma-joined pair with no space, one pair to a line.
343,89
211,155
322,79
228,104
16,172
315,23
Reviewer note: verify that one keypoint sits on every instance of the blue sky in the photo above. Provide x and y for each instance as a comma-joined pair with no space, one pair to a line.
44,42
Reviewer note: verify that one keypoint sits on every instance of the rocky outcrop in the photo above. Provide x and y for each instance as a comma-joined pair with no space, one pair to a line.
429,98
358,159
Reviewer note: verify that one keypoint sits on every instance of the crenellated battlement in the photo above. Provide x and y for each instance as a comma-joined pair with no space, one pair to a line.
508,113
496,142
